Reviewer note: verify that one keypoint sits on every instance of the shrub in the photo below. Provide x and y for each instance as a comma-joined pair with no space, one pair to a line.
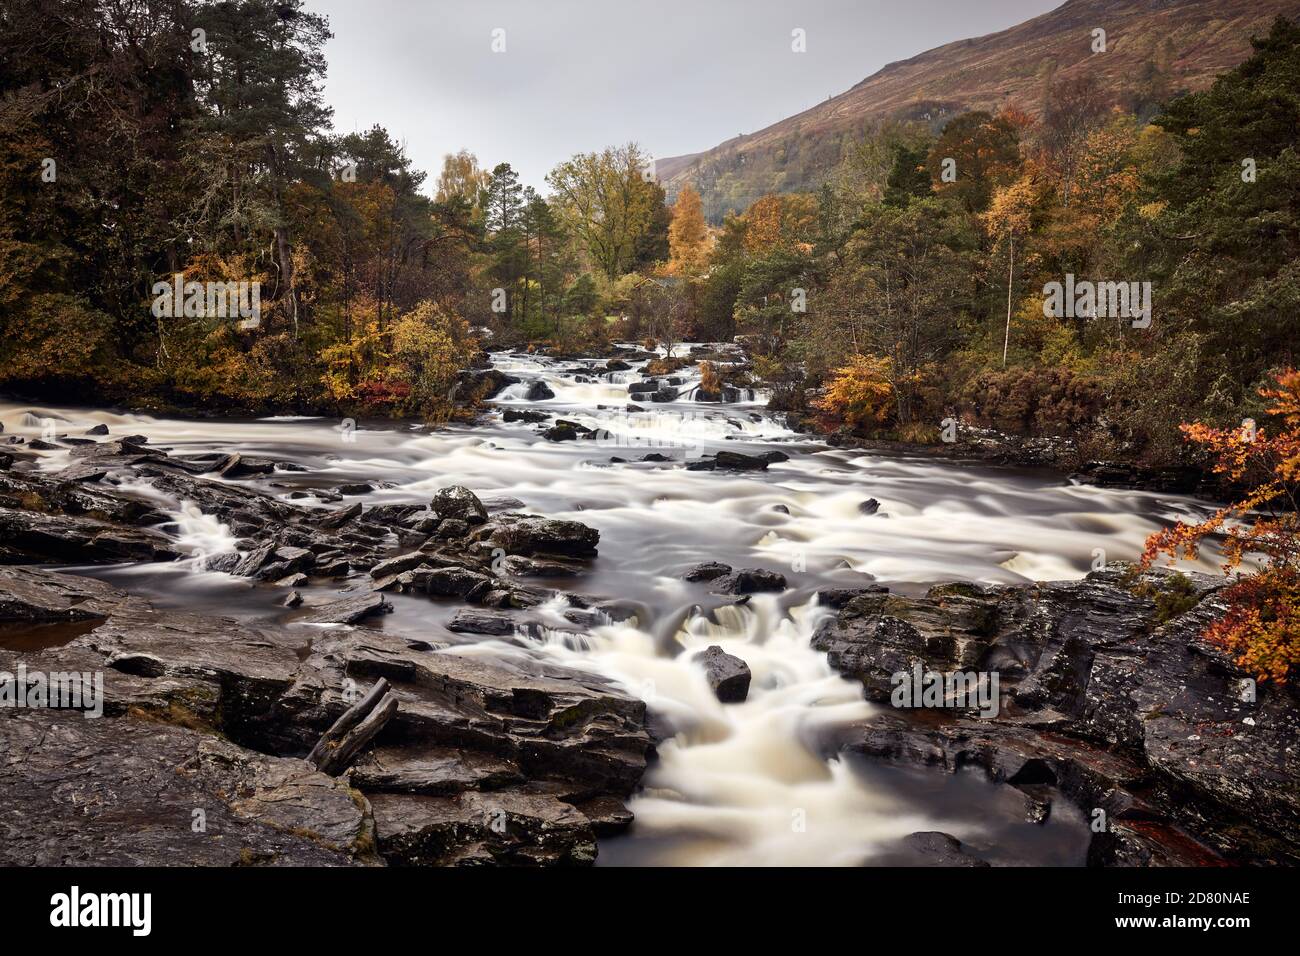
710,380
430,346
860,396
1261,628
1033,400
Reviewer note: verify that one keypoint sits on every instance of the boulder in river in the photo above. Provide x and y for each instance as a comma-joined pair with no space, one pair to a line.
729,461
708,571
457,501
539,391
528,535
728,675
750,581
561,432
482,622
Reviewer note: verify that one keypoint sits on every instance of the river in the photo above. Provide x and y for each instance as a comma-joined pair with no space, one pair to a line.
756,783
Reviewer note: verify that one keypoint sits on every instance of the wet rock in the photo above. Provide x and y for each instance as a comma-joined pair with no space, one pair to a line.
474,829
561,433
485,384
608,815
539,391
708,571
869,507
502,503
292,599
100,429
522,567
481,622
38,444
398,564
840,597
1087,665
242,466
83,471
526,415
79,540
750,581
933,848
729,676
773,457
462,723
454,582
729,461
122,792
355,488
338,519
457,501
37,596
452,528
524,535
663,395
347,610
432,769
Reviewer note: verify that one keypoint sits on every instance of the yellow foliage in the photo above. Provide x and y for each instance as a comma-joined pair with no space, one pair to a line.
860,395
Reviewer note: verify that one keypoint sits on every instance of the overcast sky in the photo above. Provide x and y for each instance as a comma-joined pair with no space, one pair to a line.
676,76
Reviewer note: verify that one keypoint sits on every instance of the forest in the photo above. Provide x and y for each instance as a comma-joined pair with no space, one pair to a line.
146,139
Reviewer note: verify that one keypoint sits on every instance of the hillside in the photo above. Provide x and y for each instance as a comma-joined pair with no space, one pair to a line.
1155,48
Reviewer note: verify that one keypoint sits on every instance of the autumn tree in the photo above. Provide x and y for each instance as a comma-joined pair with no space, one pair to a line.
1009,217
461,178
688,236
605,200
1261,628
1074,107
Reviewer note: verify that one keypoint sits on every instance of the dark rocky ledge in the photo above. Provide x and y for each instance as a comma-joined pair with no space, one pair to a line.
206,713
504,760
1110,699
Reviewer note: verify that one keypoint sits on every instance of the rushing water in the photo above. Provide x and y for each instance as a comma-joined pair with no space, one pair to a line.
750,783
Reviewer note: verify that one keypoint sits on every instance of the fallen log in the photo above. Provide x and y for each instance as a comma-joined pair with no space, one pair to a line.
355,728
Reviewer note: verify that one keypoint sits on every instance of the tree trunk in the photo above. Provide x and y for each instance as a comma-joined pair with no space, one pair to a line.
1006,339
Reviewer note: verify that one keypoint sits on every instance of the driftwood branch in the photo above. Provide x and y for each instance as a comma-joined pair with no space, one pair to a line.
355,728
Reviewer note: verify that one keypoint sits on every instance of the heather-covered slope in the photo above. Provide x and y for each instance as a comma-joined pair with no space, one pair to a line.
1154,48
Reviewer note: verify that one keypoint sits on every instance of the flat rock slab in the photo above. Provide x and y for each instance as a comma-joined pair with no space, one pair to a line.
124,792
38,596
346,610
433,770
504,827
